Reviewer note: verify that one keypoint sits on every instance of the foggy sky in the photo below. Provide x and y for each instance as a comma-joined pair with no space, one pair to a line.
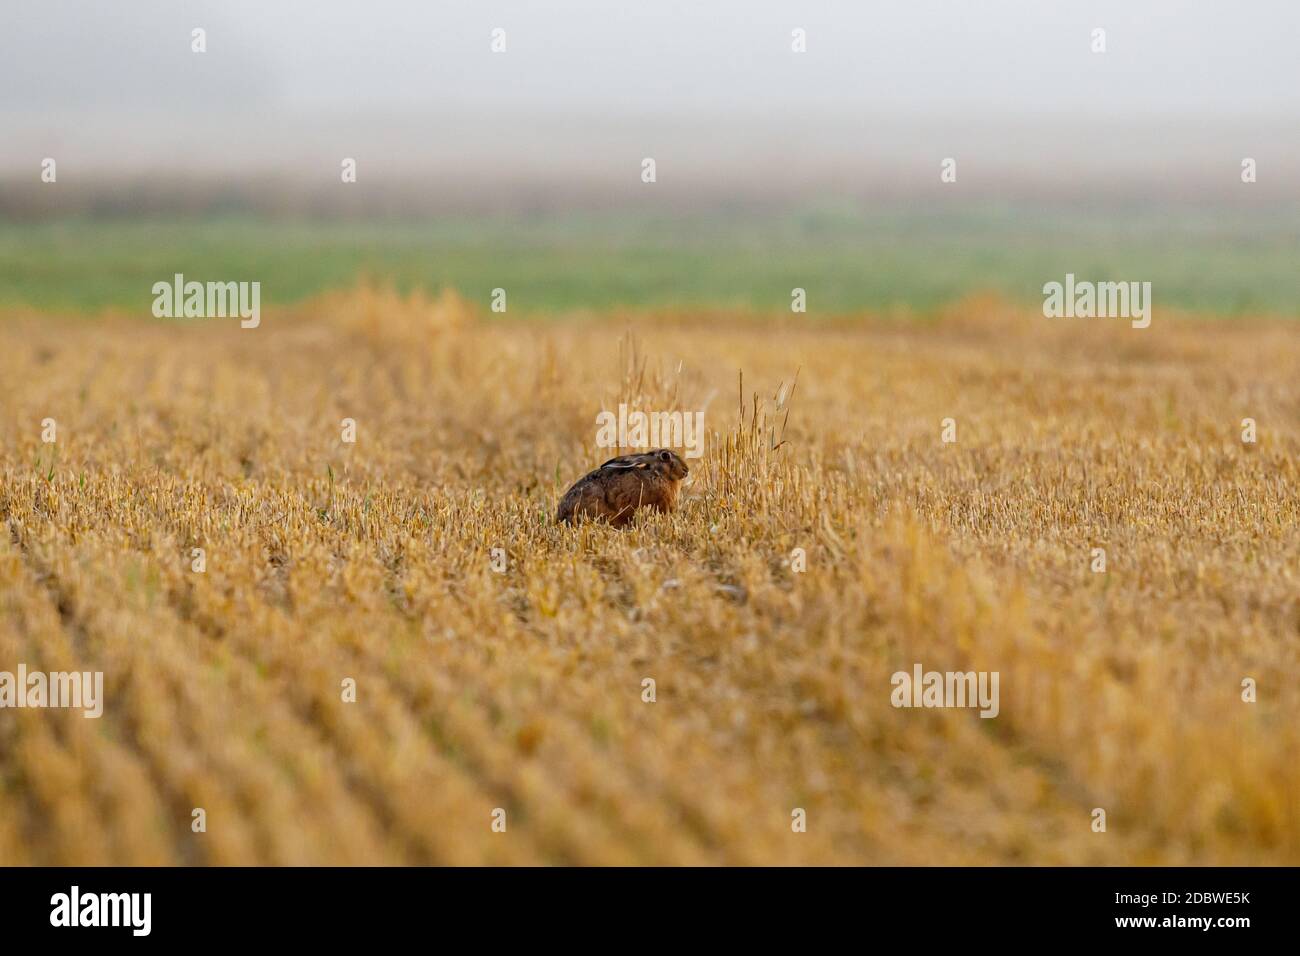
589,86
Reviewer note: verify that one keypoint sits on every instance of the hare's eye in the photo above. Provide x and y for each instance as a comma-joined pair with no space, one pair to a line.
664,456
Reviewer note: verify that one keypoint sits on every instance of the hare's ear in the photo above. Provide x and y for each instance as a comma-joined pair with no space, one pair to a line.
625,461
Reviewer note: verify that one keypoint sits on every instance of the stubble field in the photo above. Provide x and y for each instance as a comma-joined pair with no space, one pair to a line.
523,690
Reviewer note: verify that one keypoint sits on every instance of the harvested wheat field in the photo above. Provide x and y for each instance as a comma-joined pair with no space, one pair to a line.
327,561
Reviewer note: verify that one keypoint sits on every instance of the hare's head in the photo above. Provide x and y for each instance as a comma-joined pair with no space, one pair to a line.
667,464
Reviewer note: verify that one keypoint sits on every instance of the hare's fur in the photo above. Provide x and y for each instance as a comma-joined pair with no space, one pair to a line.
615,490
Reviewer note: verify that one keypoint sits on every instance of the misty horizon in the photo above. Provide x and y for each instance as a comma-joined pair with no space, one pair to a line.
584,91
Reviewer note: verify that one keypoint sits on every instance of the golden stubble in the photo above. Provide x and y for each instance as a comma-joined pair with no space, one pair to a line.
523,689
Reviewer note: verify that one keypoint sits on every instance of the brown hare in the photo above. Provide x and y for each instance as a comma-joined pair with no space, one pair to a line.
616,489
